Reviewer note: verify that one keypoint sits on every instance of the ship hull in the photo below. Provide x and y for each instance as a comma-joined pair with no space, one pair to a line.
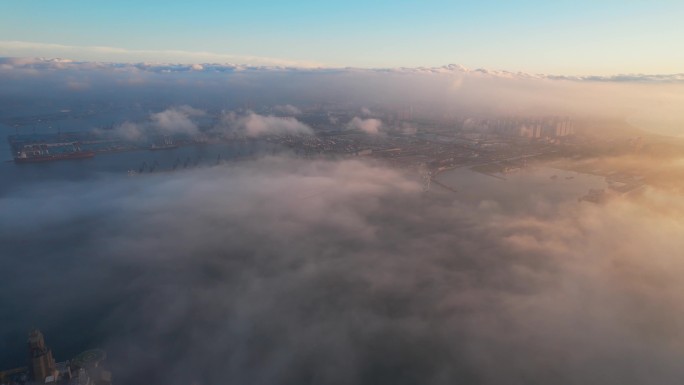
52,158
165,147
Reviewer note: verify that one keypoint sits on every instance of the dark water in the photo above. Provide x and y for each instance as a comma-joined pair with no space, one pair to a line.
523,190
71,335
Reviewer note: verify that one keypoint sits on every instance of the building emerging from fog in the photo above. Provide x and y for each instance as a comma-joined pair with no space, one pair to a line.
84,369
534,128
41,363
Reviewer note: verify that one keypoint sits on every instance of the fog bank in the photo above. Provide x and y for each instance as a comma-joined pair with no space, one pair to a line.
292,271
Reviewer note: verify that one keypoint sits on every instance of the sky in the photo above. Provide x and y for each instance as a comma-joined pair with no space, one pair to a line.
559,37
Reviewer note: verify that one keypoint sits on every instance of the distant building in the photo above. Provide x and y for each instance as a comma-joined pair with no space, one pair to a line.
530,129
533,128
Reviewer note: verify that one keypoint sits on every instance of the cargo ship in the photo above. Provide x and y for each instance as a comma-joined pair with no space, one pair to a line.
167,144
34,153
23,158
155,147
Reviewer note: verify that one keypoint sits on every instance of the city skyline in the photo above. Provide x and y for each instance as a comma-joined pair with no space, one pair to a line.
565,38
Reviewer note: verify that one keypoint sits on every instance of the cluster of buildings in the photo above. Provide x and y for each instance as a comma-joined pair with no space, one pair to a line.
527,127
84,369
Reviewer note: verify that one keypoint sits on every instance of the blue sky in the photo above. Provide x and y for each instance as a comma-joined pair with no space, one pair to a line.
564,37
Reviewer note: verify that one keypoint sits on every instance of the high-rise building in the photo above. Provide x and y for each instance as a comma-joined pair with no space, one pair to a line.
41,363
529,127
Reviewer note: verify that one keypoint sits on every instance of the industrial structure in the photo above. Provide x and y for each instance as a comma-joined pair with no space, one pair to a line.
41,363
84,369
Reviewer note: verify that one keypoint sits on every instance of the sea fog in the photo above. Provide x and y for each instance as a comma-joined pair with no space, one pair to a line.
283,269
289,270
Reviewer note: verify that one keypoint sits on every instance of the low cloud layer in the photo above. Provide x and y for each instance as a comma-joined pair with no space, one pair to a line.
254,125
178,120
370,126
184,120
290,271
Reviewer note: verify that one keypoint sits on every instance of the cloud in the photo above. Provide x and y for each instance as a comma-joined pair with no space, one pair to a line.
254,125
129,131
176,120
369,126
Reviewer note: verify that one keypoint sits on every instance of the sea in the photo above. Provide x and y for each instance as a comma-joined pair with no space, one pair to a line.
14,176
527,189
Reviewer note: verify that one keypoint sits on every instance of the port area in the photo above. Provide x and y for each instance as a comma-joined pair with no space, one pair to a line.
68,142
28,148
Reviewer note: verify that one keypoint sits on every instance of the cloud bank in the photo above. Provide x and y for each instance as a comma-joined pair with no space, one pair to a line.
116,54
223,65
253,125
183,120
370,126
650,102
177,120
